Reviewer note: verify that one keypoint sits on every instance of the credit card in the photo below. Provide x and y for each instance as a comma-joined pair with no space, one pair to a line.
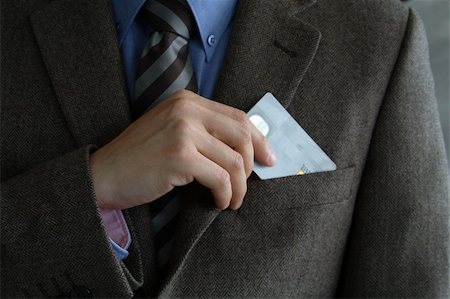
296,151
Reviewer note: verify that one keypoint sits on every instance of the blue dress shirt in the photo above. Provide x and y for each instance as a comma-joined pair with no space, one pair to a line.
206,50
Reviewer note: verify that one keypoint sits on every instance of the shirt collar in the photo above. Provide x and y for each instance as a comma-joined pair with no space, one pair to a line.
125,12
213,18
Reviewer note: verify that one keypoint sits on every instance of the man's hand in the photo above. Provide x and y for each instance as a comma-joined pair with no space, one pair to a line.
185,138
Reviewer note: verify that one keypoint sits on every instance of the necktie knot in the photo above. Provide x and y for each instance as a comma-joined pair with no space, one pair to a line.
169,16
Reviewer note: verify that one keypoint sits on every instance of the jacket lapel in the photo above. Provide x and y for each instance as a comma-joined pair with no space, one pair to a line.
270,50
78,43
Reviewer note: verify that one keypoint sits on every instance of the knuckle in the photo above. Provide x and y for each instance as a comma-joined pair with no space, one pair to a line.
237,162
240,116
181,127
180,151
182,93
181,104
245,134
223,177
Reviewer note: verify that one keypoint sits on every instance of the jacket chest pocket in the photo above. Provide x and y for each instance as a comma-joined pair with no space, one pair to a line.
297,191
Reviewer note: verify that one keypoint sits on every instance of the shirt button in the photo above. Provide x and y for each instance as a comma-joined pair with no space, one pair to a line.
211,40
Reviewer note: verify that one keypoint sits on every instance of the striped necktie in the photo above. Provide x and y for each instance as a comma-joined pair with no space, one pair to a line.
163,69
164,66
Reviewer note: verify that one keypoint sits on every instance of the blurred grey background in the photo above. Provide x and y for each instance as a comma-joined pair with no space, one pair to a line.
435,15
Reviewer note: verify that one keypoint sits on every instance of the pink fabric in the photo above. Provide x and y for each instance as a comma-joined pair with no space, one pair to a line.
116,227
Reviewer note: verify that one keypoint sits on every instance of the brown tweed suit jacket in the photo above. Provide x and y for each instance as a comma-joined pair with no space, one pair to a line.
355,74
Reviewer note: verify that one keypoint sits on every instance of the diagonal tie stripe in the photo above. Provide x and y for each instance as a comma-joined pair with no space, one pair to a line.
159,86
164,68
159,66
183,79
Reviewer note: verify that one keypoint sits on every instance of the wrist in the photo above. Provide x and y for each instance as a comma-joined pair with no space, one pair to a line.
99,183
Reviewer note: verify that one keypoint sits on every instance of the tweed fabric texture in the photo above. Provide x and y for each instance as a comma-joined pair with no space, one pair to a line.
354,74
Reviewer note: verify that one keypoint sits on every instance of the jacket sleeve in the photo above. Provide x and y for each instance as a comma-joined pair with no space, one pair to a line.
52,238
398,245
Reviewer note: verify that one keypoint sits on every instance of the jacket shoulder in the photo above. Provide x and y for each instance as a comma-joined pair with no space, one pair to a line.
357,15
383,9
371,26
